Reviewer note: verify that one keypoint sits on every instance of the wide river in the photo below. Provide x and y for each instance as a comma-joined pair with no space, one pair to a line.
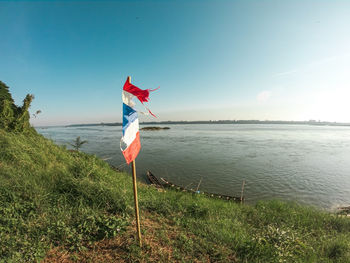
307,164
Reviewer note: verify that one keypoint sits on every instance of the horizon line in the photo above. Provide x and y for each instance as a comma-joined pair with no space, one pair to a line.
248,121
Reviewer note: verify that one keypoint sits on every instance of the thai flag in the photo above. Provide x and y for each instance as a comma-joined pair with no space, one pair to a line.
131,134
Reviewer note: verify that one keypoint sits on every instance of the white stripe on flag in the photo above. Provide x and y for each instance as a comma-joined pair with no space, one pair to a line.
130,132
127,99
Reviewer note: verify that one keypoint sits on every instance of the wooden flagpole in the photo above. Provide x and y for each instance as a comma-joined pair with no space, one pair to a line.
136,203
133,166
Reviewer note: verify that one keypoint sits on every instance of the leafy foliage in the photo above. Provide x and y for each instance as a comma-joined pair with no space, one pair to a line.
78,143
13,118
36,113
5,93
6,115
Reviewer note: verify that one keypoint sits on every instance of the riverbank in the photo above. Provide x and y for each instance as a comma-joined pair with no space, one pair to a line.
57,204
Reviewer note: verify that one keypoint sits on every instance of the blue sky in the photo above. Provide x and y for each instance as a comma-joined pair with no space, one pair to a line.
276,60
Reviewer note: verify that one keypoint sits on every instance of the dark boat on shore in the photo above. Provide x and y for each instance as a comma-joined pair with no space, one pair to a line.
154,180
163,183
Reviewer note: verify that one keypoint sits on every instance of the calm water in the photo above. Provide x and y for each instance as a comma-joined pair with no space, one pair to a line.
308,164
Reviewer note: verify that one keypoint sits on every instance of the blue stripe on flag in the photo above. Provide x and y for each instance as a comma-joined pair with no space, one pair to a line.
129,115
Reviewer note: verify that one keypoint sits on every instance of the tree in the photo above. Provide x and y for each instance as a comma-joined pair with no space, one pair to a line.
78,143
23,116
36,113
5,94
6,115
13,118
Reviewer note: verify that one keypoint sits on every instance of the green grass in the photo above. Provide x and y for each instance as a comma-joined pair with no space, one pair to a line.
50,197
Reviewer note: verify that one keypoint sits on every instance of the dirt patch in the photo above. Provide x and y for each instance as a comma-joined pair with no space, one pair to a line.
158,237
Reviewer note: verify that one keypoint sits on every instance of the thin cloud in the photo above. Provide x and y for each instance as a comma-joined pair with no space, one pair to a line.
312,65
286,73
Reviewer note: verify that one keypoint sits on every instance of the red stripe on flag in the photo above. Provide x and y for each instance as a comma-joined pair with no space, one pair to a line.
133,150
142,95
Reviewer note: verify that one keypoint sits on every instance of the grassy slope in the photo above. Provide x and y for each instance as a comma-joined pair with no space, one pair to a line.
68,202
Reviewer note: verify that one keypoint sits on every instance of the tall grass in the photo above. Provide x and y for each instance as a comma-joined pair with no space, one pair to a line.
52,197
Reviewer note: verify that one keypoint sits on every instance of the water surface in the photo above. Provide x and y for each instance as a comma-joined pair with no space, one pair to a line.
308,164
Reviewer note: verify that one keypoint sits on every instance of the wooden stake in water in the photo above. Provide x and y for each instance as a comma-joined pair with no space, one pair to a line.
243,183
199,184
136,203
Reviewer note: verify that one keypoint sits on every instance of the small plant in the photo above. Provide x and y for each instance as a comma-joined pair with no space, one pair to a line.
78,143
36,113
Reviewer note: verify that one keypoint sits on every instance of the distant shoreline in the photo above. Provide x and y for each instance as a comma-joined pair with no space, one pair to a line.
154,128
315,123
